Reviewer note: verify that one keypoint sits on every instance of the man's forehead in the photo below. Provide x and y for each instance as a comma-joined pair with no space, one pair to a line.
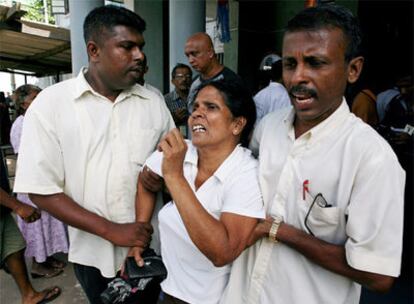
313,39
121,32
183,70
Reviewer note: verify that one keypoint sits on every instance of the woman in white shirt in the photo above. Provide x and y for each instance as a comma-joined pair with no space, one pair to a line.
216,197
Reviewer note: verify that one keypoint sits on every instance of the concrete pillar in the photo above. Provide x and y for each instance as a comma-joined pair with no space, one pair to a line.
78,11
186,18
152,13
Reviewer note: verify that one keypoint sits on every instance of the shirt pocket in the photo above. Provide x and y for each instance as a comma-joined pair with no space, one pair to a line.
324,222
141,144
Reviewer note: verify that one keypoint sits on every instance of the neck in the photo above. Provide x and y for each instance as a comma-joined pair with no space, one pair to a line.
210,158
213,70
100,86
183,94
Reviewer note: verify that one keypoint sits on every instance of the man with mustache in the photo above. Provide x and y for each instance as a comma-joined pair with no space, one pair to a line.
84,142
332,187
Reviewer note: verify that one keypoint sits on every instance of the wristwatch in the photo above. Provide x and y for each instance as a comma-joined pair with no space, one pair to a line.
274,228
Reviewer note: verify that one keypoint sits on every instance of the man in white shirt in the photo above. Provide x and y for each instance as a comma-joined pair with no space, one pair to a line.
84,142
332,187
274,96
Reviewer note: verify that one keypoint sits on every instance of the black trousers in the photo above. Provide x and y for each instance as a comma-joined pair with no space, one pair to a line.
93,284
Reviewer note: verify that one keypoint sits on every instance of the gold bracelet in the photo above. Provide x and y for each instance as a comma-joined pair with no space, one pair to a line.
274,228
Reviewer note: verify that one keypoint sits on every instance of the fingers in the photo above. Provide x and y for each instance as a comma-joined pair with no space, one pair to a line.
173,142
143,234
138,258
150,180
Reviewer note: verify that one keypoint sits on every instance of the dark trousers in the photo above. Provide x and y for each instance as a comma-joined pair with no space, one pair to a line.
93,284
171,300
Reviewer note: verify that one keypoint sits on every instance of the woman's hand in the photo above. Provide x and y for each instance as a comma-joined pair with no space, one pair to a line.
174,148
136,253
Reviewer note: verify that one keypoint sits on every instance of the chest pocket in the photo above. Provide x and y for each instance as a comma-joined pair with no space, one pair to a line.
142,142
324,222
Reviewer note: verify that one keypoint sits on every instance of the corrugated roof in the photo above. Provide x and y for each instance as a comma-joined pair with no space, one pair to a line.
32,47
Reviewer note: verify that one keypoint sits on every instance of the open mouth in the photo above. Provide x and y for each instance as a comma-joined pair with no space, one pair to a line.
303,99
198,129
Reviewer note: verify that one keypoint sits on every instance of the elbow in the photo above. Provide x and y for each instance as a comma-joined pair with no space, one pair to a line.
220,262
382,285
221,259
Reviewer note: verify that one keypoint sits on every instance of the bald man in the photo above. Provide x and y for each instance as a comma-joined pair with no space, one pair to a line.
200,52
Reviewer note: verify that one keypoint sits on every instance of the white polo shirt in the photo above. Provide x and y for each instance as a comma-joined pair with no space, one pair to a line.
358,174
78,142
233,188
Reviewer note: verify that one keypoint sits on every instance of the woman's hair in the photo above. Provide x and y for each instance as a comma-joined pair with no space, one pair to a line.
21,93
240,102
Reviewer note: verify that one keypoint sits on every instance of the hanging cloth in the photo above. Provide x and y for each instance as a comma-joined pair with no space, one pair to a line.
223,20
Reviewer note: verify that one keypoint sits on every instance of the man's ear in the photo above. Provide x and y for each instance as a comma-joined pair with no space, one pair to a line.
92,49
355,68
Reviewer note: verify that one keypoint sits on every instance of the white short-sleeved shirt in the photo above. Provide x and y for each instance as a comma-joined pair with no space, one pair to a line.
270,99
233,188
78,142
358,174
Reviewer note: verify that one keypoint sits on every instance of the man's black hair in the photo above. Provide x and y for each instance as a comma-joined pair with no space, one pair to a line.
240,102
330,16
179,66
107,17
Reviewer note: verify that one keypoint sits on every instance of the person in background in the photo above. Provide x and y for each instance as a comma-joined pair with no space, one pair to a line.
181,78
383,100
364,106
274,96
200,52
216,200
332,186
47,236
143,69
364,100
12,244
95,130
5,123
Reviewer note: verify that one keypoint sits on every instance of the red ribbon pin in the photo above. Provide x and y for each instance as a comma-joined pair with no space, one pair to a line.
305,188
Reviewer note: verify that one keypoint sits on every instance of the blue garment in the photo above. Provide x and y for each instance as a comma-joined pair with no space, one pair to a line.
223,20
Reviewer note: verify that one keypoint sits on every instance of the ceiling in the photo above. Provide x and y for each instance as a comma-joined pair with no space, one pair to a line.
32,48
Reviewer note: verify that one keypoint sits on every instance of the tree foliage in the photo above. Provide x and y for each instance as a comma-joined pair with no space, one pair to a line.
36,12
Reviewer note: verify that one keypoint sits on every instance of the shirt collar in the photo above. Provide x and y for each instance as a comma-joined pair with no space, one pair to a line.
325,128
83,87
175,95
225,169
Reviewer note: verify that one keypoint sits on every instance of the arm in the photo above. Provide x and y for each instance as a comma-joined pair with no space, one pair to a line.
144,208
26,212
68,211
150,180
329,256
222,240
